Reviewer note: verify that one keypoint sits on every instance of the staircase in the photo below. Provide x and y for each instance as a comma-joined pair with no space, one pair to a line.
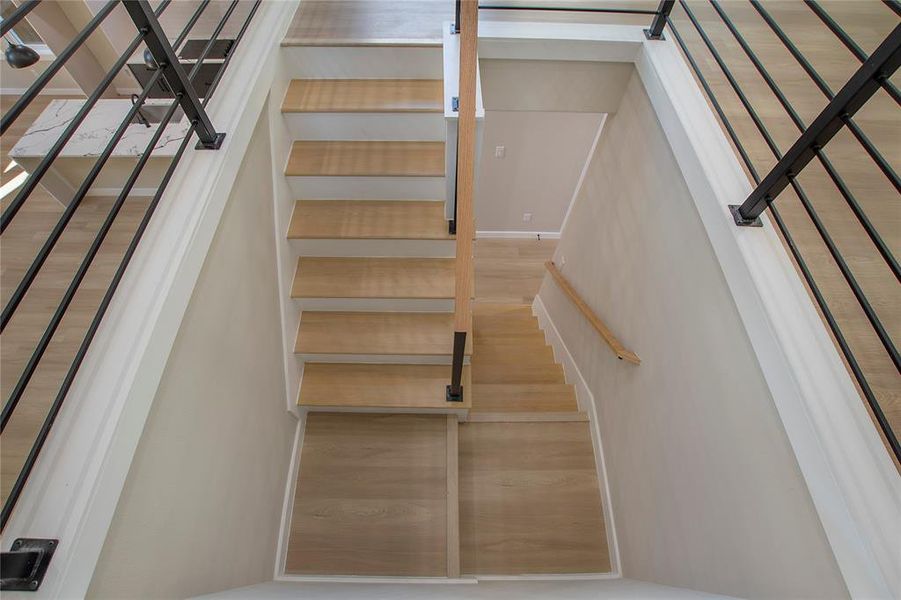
394,480
375,268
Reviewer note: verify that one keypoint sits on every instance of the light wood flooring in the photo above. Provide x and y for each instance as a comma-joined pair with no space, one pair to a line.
18,247
371,496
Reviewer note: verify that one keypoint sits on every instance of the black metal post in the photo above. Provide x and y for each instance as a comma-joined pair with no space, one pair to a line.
659,22
455,389
164,55
863,84
457,16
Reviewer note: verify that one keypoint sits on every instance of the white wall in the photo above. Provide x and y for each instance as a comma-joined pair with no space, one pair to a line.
554,85
706,490
201,507
544,155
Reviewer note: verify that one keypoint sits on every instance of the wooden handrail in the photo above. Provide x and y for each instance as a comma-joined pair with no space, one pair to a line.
615,345
466,138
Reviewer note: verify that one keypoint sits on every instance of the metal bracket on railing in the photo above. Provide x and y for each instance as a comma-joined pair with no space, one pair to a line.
22,569
740,220
656,30
164,55
455,103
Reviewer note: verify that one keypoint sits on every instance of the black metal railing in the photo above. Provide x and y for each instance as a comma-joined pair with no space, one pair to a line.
167,67
873,75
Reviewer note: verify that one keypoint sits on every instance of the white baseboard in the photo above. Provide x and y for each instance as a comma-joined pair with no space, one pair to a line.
548,235
281,551
586,401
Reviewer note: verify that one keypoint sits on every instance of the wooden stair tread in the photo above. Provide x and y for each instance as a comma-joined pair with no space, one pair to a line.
379,386
383,333
364,95
516,372
366,158
519,397
369,219
331,277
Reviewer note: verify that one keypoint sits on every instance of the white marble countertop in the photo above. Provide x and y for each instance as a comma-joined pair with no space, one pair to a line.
95,131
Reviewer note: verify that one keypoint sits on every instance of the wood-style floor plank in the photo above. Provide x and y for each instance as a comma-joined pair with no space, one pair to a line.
529,500
371,496
364,95
369,219
366,159
385,333
374,278
379,386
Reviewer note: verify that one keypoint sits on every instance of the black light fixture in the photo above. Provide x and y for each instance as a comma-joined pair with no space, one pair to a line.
19,56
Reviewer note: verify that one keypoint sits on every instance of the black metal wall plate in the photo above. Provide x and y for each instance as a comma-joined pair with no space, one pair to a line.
740,220
22,569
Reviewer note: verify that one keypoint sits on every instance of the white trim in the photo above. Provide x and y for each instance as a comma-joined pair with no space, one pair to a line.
588,159
587,404
75,486
281,550
518,235
550,577
375,579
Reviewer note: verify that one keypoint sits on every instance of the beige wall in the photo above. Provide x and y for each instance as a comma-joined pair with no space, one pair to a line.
705,488
553,85
201,507
544,155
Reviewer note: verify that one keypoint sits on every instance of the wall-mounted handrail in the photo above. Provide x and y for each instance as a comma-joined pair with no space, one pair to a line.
621,351
465,227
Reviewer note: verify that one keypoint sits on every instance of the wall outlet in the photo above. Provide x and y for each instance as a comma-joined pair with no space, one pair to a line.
500,151
526,217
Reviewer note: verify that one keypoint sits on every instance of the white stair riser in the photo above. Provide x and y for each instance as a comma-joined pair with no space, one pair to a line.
386,359
364,62
424,127
376,304
367,188
390,248
399,410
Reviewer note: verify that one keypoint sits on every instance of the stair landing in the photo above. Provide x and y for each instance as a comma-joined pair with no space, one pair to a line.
372,497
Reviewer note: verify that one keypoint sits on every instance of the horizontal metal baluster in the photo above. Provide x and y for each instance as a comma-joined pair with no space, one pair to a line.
820,300
849,198
17,15
877,157
57,404
849,43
